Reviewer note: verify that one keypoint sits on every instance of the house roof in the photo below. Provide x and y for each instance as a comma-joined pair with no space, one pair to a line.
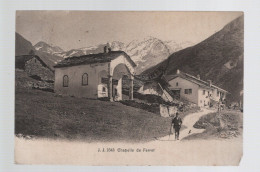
93,58
22,59
201,83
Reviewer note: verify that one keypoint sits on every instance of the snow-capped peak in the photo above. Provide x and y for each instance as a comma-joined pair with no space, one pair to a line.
44,47
145,52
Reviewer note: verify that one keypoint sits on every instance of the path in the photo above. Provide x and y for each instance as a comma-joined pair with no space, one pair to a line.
188,121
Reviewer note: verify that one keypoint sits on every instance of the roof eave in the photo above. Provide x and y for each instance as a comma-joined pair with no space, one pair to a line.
220,89
204,82
61,66
131,61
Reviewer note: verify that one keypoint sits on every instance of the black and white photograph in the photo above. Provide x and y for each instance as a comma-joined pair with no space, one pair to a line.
129,88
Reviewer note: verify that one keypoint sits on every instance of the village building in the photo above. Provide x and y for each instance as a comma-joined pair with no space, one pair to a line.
187,87
95,75
33,65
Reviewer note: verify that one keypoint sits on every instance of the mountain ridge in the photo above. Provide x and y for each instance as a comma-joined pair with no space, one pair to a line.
146,52
43,46
22,45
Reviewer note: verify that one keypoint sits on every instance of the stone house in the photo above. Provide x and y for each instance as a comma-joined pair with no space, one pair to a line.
33,65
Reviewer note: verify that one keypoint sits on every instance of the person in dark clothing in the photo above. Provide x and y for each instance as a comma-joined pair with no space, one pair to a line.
176,122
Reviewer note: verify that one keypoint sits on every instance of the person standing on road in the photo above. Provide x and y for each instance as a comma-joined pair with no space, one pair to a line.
176,122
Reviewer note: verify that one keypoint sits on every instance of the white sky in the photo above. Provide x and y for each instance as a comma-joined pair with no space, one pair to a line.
76,29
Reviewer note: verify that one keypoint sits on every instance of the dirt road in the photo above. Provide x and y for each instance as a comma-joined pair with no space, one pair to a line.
188,122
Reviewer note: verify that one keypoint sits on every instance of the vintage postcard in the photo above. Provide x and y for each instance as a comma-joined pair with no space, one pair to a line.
129,88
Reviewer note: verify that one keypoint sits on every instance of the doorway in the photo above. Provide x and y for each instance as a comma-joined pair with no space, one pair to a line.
176,94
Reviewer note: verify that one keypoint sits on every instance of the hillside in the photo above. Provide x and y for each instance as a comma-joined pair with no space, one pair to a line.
218,58
42,114
22,46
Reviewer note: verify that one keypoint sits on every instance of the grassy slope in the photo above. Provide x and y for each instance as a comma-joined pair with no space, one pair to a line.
42,114
227,124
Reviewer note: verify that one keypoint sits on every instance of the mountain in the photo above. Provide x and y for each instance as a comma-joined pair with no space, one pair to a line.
115,45
22,46
219,58
44,47
151,51
52,53
82,51
145,53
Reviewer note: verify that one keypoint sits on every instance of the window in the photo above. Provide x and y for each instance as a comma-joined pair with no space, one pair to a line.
104,89
188,91
65,81
177,84
204,92
85,79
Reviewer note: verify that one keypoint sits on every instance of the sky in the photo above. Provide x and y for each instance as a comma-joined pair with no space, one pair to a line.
77,29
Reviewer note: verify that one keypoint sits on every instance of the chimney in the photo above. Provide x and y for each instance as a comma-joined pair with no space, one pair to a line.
198,76
105,49
178,71
108,47
210,83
